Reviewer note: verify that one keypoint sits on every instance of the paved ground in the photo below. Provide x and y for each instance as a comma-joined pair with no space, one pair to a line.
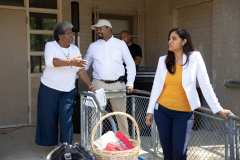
19,145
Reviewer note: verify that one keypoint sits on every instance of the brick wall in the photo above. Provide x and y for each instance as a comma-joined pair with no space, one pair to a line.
215,28
113,6
226,51
197,20
159,21
163,15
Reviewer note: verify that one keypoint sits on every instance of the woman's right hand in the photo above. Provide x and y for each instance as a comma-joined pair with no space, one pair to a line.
224,113
78,62
149,119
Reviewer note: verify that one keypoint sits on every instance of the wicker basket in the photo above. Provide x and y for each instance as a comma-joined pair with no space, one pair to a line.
131,154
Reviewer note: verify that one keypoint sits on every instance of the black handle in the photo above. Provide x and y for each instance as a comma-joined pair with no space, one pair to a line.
67,154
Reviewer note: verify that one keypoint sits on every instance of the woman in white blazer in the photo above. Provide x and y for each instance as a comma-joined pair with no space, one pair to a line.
174,90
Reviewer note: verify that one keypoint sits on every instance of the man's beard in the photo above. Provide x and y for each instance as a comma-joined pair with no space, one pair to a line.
100,36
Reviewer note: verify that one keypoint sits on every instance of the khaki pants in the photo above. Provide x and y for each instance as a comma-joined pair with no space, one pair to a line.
118,104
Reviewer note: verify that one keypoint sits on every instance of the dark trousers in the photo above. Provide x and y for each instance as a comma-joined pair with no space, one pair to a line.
174,129
51,105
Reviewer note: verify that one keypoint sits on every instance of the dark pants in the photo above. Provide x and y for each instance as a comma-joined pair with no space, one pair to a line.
174,129
51,105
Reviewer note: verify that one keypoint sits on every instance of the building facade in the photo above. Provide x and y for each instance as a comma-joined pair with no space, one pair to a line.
26,26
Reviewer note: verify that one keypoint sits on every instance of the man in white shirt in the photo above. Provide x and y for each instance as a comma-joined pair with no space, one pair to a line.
107,55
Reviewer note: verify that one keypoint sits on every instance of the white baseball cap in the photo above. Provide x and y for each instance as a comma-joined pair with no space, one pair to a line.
101,22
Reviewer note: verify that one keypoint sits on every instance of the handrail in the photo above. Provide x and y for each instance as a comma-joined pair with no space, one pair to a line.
231,131
233,117
204,109
134,91
106,112
141,92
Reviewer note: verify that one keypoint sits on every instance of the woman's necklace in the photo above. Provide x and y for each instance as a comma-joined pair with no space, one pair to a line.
67,54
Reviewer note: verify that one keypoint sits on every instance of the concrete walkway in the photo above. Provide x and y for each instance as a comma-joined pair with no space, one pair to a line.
20,145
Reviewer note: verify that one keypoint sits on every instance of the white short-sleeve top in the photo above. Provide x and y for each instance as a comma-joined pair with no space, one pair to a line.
59,78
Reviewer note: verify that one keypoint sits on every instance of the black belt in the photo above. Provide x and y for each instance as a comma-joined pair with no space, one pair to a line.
110,81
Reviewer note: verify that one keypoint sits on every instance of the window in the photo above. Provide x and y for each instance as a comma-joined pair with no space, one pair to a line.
12,2
42,21
51,4
37,42
37,64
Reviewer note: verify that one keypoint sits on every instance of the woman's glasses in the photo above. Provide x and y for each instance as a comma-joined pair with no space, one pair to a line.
69,34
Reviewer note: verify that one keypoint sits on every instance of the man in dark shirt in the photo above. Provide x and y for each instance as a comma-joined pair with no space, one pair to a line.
136,53
134,49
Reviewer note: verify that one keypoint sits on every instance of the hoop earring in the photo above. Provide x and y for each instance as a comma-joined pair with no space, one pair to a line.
60,41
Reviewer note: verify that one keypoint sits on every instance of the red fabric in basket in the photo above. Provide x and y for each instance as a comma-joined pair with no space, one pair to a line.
111,146
124,139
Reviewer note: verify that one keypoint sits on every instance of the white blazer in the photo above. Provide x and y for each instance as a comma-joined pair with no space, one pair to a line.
193,70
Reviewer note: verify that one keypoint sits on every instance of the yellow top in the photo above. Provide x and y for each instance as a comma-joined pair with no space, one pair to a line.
173,95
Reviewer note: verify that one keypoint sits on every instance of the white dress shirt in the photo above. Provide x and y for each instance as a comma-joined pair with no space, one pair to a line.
108,57
194,70
59,78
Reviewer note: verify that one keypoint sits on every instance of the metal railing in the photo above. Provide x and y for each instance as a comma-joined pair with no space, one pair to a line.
212,137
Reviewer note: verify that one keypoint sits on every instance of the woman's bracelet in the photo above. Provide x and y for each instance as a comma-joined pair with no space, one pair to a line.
90,87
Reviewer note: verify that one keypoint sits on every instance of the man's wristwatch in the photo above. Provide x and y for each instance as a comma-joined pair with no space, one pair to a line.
90,87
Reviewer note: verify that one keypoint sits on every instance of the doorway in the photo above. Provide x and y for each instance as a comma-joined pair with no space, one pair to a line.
14,71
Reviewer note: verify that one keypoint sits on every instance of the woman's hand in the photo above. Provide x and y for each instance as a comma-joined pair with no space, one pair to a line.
149,119
224,113
78,62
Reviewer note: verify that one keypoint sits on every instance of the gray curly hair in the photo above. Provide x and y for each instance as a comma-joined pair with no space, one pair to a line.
60,28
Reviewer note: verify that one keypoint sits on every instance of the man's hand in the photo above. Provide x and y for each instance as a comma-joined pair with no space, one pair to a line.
93,90
224,113
129,89
137,60
149,119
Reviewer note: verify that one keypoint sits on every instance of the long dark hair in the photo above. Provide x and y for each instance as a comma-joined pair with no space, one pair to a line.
187,48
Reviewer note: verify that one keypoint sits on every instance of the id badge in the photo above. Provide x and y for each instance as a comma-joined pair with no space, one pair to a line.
156,105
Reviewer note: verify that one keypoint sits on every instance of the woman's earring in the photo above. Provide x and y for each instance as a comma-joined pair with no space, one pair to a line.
60,41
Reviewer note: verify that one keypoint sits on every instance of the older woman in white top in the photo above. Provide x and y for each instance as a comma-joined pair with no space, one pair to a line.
57,89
